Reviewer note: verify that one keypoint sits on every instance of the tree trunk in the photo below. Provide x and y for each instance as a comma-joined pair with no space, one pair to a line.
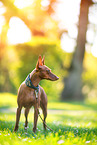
73,84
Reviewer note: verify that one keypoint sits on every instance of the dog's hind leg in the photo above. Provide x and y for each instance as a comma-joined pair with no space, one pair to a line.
26,117
45,115
44,109
18,113
35,118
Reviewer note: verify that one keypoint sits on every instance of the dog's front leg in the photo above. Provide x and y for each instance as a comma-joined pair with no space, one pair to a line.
18,113
35,118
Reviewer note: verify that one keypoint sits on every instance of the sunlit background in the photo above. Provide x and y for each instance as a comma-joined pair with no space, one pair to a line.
66,13
65,32
48,27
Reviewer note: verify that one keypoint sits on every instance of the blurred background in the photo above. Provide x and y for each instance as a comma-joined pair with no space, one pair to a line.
64,31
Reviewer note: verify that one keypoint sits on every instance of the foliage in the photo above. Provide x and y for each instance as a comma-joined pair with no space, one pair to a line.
73,123
22,59
7,100
36,16
88,77
16,61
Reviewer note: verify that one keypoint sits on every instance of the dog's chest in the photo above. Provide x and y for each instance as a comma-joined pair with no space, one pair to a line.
31,99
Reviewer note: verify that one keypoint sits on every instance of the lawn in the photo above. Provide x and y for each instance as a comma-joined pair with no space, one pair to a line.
73,123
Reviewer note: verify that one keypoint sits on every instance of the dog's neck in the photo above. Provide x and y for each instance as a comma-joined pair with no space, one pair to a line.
34,76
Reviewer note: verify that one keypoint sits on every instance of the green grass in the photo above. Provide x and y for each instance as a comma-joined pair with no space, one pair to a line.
73,124
8,100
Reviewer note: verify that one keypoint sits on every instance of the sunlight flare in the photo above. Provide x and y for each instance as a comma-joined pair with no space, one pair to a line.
23,3
18,31
67,44
94,47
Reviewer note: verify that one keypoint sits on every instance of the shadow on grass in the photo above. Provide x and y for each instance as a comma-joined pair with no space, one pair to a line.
83,104
4,107
76,106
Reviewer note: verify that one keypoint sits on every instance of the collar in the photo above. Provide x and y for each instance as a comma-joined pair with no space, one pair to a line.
29,83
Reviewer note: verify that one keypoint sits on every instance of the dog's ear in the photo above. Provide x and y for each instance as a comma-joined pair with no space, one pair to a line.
39,62
43,60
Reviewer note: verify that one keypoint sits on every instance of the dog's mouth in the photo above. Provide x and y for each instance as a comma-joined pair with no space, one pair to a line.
50,77
53,79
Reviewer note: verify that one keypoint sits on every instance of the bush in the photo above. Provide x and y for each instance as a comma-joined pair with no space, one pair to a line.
21,60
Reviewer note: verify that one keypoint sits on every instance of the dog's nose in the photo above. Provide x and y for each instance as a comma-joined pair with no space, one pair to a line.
57,78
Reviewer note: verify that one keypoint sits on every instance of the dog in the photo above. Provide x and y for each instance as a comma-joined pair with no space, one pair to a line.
30,94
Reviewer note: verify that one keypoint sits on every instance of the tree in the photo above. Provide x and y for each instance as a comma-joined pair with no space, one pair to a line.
37,18
73,84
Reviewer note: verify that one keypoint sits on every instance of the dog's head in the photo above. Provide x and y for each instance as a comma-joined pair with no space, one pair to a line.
44,71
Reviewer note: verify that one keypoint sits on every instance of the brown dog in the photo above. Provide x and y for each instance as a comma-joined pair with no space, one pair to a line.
31,94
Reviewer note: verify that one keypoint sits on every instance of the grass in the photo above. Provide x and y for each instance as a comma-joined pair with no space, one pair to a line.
73,124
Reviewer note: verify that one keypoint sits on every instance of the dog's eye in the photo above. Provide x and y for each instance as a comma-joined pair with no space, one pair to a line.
48,71
40,68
